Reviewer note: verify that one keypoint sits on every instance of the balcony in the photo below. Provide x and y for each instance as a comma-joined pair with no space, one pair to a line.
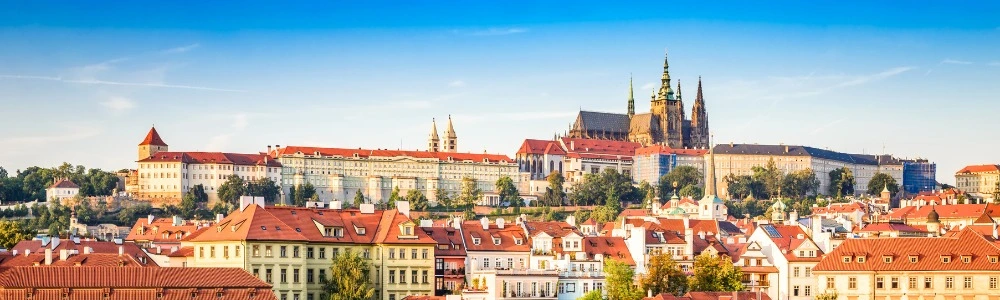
528,295
757,283
454,272
581,274
523,272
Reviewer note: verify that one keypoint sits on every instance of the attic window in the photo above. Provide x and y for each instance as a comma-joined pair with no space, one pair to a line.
475,241
966,259
913,259
887,259
263,228
847,259
360,230
496,241
945,259
517,241
861,259
993,259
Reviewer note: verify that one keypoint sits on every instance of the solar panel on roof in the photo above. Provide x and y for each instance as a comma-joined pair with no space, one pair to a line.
771,231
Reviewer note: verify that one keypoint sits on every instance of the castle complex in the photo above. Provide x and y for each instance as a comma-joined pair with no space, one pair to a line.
664,124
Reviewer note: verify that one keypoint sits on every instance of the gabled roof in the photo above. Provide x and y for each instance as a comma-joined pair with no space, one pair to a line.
530,146
64,184
786,238
162,225
555,229
950,211
978,169
448,238
152,138
726,295
115,277
928,251
609,247
839,208
507,235
130,250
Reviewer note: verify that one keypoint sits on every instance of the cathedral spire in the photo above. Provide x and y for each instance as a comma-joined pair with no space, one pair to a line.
450,138
710,182
631,100
666,92
433,140
679,89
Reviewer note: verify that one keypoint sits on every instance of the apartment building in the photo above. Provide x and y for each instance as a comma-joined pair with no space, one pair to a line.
789,249
979,181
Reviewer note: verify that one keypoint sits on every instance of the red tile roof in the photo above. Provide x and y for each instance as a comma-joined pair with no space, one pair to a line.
131,283
182,252
530,146
299,224
85,260
979,168
928,251
951,211
599,149
609,247
64,184
143,231
507,235
726,295
448,238
214,158
152,138
130,250
367,153
660,149
789,240
664,296
890,227
840,208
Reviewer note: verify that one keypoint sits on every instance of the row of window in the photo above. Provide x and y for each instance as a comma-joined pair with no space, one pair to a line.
894,282
570,287
312,276
424,277
413,253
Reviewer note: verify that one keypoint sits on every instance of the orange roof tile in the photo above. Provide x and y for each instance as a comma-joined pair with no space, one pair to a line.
530,146
130,250
448,238
609,247
726,295
508,235
367,153
928,251
133,280
214,158
152,138
143,230
979,169
64,184
599,149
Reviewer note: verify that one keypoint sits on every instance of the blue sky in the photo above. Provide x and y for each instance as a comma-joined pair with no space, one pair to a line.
82,82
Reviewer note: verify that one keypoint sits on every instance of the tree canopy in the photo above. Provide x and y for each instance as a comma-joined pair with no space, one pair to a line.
348,279
393,197
841,183
554,193
595,188
231,190
619,281
879,182
683,175
418,201
470,193
359,198
664,275
30,184
715,274
12,232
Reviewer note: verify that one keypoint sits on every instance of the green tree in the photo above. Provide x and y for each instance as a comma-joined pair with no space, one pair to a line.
348,278
359,198
554,193
592,295
444,198
84,212
231,190
198,192
648,192
682,175
12,232
470,193
507,191
800,184
715,274
827,296
393,197
841,183
594,189
129,214
692,191
880,181
267,188
303,193
3,173
664,275
223,208
418,201
619,281
188,205
769,176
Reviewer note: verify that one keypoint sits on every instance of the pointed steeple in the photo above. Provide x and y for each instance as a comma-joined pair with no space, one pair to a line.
679,90
666,92
450,138
631,100
710,189
711,201
433,141
152,138
450,132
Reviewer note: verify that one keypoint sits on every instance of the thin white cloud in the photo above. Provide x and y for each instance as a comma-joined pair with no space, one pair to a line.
181,49
826,126
994,63
956,62
457,83
808,88
118,104
119,83
492,31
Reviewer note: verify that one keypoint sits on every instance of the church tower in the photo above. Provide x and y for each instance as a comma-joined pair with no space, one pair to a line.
699,121
631,100
711,207
450,138
151,144
433,140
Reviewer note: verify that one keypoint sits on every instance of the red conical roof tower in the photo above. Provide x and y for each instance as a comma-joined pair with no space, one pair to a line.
152,138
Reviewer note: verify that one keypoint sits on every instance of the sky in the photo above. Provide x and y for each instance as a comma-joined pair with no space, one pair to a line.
82,82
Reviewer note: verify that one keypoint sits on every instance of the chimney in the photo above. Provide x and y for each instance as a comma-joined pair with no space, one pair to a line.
649,293
48,256
121,250
701,235
817,225
63,254
269,149
336,204
687,221
245,201
403,207
572,145
88,250
689,240
219,217
571,220
424,223
27,252
457,223
995,236
178,221
786,148
500,223
367,208
485,222
149,219
793,217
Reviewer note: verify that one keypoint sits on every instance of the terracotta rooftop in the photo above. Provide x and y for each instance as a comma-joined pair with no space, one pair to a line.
509,237
449,241
951,211
609,247
160,230
214,158
891,227
979,168
530,146
591,148
928,251
152,138
132,253
726,296
788,239
64,184
665,150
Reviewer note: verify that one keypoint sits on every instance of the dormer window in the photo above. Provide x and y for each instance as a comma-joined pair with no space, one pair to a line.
475,241
360,230
517,241
966,259
945,259
993,259
887,259
846,259
861,259
913,259
496,241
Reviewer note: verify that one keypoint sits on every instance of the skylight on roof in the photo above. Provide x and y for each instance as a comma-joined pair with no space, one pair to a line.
771,231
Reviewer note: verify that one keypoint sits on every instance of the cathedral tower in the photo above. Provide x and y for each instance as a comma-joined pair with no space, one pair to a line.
631,100
151,144
433,140
699,121
450,138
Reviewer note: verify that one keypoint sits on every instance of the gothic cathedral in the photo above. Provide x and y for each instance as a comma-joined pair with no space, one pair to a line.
664,124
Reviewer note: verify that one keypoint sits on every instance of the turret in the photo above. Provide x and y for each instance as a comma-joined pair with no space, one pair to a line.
450,138
666,93
151,144
631,100
433,140
699,120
